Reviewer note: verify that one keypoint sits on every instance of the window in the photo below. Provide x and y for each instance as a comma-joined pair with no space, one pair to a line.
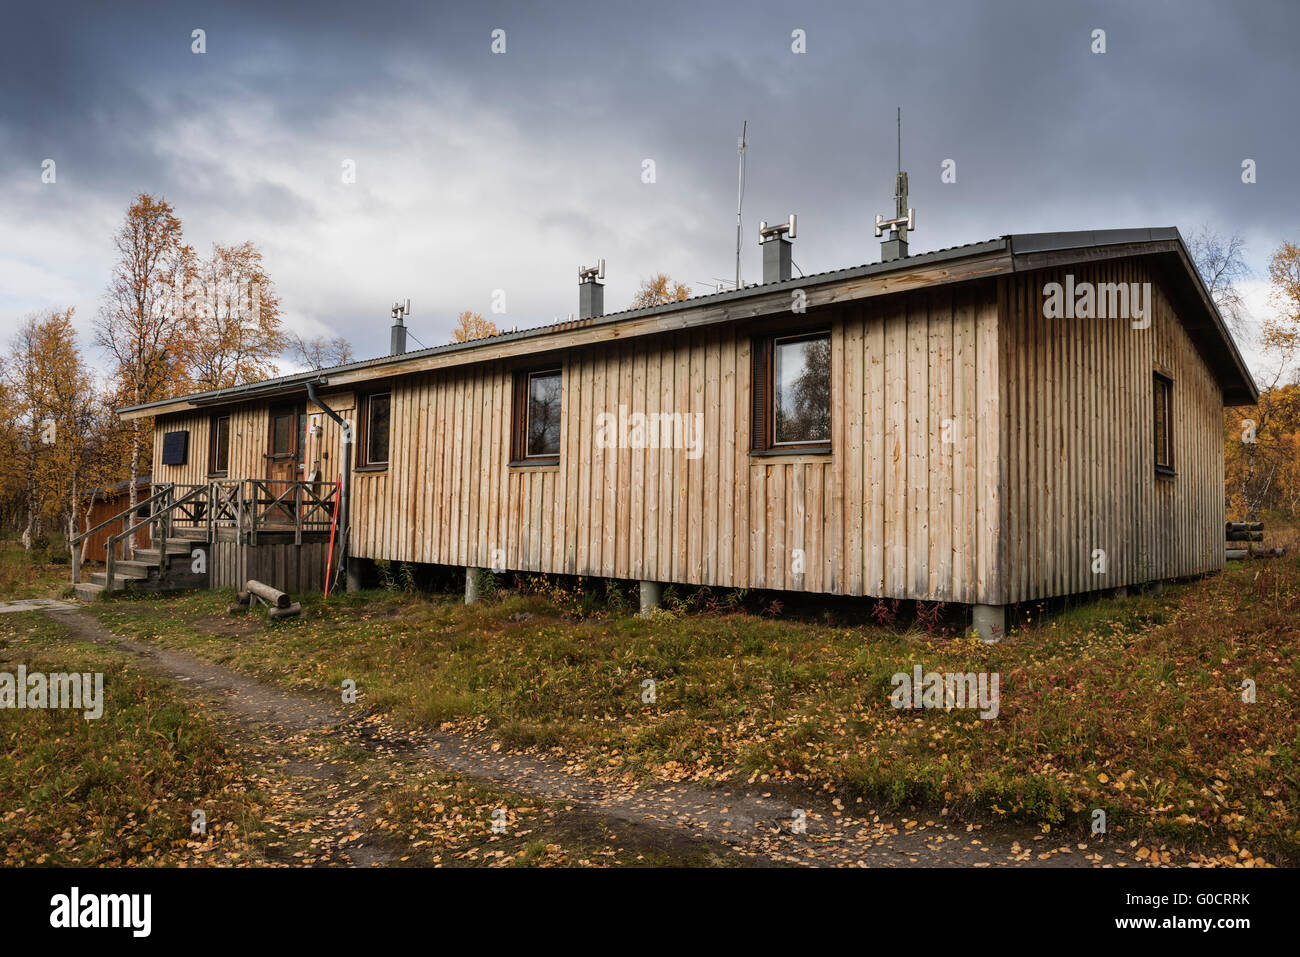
1164,422
219,446
537,407
282,432
175,446
791,389
375,419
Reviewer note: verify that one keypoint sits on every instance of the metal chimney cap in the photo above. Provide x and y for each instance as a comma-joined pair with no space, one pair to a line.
766,232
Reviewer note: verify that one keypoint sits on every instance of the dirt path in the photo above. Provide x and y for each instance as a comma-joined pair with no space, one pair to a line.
762,827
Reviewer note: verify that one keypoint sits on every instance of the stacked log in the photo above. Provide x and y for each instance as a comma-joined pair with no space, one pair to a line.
1249,533
281,605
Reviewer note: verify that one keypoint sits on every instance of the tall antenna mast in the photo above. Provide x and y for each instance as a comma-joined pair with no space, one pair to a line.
740,198
904,220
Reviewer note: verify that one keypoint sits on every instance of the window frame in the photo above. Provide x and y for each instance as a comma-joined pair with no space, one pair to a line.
762,416
519,455
365,413
213,445
1162,388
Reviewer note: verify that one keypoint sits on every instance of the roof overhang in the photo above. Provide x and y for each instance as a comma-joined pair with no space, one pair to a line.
981,260
997,257
1191,299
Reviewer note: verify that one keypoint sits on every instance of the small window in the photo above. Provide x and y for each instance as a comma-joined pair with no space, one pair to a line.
375,428
1164,422
537,407
791,391
219,447
282,432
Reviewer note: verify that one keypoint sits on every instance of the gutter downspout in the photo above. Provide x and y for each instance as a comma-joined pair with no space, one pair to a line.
345,488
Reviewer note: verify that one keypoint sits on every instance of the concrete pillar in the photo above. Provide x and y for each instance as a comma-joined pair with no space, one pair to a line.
352,571
652,595
471,584
1156,588
989,622
1120,593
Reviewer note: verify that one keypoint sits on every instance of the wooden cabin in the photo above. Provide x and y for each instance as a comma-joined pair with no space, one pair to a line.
107,502
1032,416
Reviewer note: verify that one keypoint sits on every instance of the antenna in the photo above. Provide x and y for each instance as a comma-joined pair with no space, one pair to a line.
904,219
741,146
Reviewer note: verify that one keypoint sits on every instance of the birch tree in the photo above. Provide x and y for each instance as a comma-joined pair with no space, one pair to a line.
143,325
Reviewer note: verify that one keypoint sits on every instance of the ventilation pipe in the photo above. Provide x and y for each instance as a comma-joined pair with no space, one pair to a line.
777,248
397,340
591,294
904,221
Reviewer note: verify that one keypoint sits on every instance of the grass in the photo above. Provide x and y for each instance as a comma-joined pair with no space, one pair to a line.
119,790
31,575
1134,707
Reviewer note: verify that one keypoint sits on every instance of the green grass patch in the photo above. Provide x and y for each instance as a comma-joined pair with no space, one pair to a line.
119,789
1134,707
33,574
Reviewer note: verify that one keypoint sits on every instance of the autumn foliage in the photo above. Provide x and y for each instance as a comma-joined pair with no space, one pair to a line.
658,290
171,322
472,325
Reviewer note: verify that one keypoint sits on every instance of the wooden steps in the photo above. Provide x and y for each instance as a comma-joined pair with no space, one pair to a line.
143,571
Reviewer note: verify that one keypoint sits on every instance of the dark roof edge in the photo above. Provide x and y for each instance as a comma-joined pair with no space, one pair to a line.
1017,244
1022,244
299,379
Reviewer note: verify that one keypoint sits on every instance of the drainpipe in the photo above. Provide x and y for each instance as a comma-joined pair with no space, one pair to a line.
345,485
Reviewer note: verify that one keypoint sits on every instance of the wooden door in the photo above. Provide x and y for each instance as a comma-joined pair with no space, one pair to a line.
285,440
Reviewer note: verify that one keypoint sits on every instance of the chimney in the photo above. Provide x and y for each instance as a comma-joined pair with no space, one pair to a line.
776,249
591,294
397,337
895,247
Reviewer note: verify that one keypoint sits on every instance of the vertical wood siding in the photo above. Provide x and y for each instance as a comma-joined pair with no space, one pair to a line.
895,510
248,442
981,453
1078,429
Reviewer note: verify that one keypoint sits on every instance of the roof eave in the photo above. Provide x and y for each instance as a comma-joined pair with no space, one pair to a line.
958,264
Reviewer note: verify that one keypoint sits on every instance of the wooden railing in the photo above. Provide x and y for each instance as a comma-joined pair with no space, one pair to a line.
241,506
261,505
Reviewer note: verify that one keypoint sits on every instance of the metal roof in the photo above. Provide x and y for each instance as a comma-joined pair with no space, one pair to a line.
1014,245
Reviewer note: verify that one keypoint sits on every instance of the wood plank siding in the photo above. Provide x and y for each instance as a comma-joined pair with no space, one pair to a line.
883,514
249,422
980,453
288,567
1077,426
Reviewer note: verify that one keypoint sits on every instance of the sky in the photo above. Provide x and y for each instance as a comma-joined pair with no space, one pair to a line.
478,171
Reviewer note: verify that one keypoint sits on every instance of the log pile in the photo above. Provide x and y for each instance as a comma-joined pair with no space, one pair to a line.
280,604
1248,533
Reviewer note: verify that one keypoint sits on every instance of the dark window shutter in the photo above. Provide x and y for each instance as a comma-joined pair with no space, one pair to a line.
758,390
518,417
174,447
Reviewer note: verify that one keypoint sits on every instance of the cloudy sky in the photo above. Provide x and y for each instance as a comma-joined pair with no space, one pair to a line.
478,171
